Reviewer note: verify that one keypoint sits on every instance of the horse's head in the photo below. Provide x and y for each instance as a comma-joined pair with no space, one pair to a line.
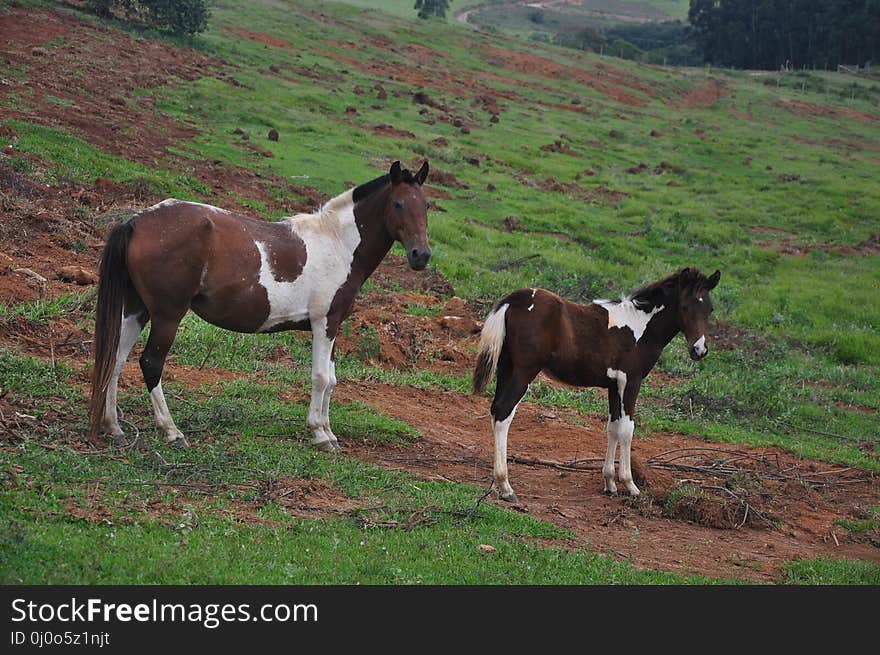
694,307
406,214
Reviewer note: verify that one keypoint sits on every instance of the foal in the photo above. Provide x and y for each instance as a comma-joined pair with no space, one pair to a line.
246,275
612,344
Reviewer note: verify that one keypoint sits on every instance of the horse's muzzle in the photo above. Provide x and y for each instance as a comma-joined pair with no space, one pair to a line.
699,349
418,257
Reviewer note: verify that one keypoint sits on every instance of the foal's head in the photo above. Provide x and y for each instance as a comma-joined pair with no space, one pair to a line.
694,307
406,214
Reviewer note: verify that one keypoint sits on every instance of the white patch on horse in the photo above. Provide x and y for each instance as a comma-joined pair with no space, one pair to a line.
330,237
500,428
625,314
163,416
700,346
531,307
534,291
620,377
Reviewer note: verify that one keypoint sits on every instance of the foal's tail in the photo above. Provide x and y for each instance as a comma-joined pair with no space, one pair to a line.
491,341
112,287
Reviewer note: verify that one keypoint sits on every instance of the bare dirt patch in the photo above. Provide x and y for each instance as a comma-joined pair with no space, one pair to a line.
706,531
702,97
805,108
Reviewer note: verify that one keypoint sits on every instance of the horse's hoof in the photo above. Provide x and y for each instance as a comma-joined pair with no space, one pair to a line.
326,446
510,498
179,442
608,492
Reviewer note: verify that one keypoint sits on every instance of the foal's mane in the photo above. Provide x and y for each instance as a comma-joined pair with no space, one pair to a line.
654,294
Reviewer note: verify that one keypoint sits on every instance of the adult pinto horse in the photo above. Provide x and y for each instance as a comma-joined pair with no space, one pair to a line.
612,344
246,275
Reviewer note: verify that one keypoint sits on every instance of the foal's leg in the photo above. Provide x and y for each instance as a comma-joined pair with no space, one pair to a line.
621,403
317,421
611,433
625,435
132,325
511,386
162,333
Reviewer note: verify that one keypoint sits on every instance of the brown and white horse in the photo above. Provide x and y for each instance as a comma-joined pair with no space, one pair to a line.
246,275
612,344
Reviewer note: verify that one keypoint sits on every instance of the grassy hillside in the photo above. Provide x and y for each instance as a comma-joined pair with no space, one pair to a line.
586,175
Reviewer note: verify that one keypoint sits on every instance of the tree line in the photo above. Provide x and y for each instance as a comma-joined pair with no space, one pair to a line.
774,34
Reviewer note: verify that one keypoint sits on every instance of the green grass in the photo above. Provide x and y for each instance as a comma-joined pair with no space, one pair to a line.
752,175
827,571
402,531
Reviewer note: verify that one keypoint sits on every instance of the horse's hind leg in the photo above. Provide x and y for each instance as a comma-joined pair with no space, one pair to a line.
511,386
162,333
132,325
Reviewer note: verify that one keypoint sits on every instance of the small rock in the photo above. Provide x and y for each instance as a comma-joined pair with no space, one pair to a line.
486,548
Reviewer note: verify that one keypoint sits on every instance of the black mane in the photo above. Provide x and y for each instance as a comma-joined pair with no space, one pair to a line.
368,188
656,293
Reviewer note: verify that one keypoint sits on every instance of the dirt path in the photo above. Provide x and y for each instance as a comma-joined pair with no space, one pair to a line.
456,444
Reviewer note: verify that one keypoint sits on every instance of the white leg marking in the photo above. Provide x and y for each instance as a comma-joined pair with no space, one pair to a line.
608,468
325,409
163,415
625,428
321,349
500,429
620,431
128,335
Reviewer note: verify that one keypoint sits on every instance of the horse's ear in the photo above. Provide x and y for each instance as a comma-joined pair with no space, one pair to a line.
396,173
422,174
712,282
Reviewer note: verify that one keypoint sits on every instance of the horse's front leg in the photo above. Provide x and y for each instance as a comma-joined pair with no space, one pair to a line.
621,409
318,419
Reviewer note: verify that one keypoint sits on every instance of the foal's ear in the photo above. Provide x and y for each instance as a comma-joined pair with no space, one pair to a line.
396,173
422,174
713,280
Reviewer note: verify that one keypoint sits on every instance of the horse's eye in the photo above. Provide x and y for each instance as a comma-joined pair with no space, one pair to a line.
398,204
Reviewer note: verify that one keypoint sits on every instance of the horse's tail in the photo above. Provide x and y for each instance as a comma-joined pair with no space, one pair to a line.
491,341
112,288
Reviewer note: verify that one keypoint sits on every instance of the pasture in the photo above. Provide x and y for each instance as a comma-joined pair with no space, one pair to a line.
587,175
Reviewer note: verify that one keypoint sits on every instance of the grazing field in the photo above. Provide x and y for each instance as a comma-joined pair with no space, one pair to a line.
587,175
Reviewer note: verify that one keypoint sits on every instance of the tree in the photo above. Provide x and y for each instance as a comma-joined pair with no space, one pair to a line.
428,8
777,33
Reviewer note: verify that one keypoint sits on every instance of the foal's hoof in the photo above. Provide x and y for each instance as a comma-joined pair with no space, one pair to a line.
609,492
510,498
179,442
326,446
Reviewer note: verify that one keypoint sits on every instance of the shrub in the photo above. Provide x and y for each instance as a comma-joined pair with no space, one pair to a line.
176,16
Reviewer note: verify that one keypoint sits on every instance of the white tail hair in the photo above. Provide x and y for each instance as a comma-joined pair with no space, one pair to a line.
491,342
